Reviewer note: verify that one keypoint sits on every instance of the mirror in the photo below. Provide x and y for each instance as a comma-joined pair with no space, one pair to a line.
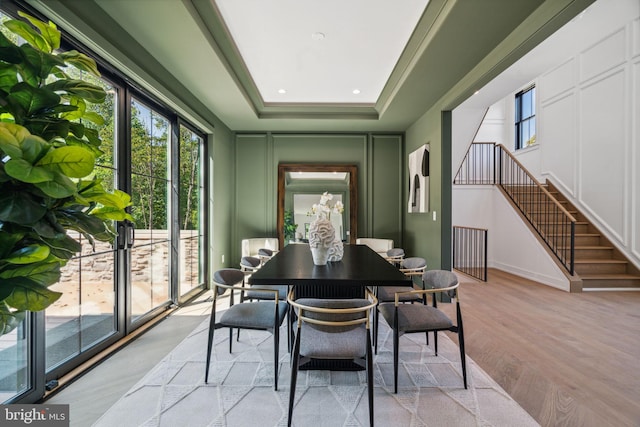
300,186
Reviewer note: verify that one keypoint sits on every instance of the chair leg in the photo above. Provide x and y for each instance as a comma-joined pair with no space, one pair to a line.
396,342
370,378
463,357
231,339
276,348
435,341
375,329
209,344
294,376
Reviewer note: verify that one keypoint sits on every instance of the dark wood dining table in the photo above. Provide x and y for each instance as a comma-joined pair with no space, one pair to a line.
360,267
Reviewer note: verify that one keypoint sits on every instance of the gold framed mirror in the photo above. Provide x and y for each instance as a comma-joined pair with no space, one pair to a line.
348,175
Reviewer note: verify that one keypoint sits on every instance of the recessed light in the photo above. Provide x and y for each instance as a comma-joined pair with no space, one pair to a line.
356,91
282,91
317,36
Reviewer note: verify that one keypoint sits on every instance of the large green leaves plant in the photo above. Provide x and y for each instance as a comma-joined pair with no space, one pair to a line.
47,159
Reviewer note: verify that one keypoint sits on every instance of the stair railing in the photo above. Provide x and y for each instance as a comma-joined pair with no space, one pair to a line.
488,163
555,225
470,251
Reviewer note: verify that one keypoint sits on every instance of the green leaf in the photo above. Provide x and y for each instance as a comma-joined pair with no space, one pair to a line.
48,128
28,254
65,242
86,224
78,110
60,188
93,117
111,213
9,52
8,76
9,319
29,34
24,171
38,64
45,274
78,142
80,61
79,88
75,162
26,100
26,294
9,144
48,31
20,208
93,136
33,148
8,241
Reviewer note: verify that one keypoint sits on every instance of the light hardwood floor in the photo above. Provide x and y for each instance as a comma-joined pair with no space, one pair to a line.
567,359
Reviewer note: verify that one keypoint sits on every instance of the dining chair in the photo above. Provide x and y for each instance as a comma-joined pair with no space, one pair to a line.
332,329
412,267
395,256
265,255
250,265
410,318
257,315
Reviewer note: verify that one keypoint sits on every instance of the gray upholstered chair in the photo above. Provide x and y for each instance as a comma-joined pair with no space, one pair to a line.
412,267
409,318
265,255
259,315
332,329
395,256
250,265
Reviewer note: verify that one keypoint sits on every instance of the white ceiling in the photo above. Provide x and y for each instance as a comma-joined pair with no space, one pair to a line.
311,51
228,58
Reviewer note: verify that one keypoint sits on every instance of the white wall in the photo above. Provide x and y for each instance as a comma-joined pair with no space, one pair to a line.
588,131
588,136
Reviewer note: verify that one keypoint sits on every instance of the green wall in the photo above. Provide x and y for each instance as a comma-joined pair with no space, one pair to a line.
379,161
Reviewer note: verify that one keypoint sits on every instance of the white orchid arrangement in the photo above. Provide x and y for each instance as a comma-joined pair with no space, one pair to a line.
324,208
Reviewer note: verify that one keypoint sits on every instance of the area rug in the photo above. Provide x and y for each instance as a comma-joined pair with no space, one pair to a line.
240,390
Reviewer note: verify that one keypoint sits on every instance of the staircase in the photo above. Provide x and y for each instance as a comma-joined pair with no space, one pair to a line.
597,262
586,256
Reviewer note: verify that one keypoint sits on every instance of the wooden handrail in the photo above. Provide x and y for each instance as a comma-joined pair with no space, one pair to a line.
538,184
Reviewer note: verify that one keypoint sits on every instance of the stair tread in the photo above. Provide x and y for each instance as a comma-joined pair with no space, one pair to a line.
600,261
609,276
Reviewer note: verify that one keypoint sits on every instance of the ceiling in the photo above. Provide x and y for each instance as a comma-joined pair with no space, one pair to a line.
229,58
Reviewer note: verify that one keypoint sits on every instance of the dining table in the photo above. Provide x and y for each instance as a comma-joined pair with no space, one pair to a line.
359,268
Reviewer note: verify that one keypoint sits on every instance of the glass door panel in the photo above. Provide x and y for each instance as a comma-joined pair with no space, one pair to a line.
190,193
150,184
85,315
14,362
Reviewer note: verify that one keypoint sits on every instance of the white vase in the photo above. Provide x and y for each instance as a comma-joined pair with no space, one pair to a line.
321,238
336,251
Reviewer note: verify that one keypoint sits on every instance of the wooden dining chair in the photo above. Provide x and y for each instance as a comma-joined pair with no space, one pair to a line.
257,315
410,318
332,329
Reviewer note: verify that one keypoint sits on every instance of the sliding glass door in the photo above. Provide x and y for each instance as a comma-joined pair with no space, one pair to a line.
158,259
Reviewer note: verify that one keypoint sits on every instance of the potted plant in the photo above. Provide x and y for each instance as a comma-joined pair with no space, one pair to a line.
47,156
290,226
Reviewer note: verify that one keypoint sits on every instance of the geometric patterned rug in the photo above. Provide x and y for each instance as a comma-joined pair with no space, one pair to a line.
240,389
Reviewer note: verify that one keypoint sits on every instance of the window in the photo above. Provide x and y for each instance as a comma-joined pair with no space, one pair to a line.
526,118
